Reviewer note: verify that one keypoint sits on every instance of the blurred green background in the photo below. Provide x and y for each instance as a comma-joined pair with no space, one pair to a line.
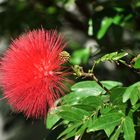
91,28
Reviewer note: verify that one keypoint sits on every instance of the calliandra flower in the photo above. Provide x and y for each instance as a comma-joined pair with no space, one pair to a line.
32,74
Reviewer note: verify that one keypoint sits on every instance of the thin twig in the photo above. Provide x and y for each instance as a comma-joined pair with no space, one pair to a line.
91,75
100,84
129,66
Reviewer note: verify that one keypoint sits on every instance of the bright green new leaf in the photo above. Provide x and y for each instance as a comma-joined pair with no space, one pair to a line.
114,56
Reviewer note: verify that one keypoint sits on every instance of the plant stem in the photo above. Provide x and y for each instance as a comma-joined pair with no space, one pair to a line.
91,75
124,63
130,67
100,84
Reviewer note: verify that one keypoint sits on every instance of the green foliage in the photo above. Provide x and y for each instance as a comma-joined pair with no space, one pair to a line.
128,128
132,93
93,106
115,56
85,110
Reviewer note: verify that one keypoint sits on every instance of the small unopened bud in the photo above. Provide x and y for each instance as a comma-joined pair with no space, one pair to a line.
64,56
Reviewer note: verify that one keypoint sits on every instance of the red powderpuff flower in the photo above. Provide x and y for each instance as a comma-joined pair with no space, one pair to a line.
32,74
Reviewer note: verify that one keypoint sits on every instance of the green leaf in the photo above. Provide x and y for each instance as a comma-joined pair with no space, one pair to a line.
80,56
106,109
137,64
91,122
52,119
88,108
93,101
111,84
114,56
91,88
108,120
115,136
135,107
128,128
117,95
106,23
116,98
73,98
82,129
72,113
132,93
89,103
70,130
117,19
109,130
87,87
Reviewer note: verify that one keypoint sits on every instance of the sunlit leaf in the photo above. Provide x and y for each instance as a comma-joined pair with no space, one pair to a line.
132,93
92,88
114,56
128,128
